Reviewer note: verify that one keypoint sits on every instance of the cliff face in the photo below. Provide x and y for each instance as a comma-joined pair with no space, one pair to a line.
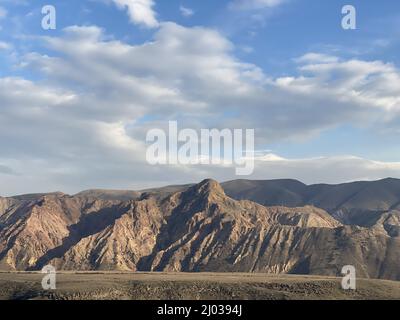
197,229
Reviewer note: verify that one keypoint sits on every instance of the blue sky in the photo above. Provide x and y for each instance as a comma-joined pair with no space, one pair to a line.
76,102
276,34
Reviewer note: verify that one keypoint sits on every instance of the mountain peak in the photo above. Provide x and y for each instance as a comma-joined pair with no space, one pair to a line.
208,187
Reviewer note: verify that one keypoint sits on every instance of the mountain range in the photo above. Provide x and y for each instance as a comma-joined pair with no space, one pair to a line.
272,226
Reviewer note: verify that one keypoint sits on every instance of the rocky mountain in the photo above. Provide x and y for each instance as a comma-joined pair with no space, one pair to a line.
357,203
193,228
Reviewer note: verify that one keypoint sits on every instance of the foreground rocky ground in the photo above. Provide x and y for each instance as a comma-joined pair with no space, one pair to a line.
200,286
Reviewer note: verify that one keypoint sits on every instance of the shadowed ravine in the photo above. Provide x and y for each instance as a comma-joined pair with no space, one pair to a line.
89,225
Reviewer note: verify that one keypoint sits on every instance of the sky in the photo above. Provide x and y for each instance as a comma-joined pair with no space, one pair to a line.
76,102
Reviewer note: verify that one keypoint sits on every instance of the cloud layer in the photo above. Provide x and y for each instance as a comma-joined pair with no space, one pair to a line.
82,123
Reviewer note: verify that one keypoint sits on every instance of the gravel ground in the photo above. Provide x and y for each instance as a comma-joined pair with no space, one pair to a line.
193,286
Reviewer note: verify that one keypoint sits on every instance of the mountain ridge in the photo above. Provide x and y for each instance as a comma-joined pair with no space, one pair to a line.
353,203
199,228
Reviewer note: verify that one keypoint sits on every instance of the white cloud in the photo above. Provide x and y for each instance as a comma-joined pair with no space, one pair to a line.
186,12
247,49
140,12
313,57
365,84
4,45
255,4
335,169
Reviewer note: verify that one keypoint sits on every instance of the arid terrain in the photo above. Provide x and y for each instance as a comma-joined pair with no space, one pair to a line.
242,239
199,228
193,286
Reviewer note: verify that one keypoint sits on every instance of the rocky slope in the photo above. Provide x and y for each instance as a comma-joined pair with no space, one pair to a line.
359,203
198,228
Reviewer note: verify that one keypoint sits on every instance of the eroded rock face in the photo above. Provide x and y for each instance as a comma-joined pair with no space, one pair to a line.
198,229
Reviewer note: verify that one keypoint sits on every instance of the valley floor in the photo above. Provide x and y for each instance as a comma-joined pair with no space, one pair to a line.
193,286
